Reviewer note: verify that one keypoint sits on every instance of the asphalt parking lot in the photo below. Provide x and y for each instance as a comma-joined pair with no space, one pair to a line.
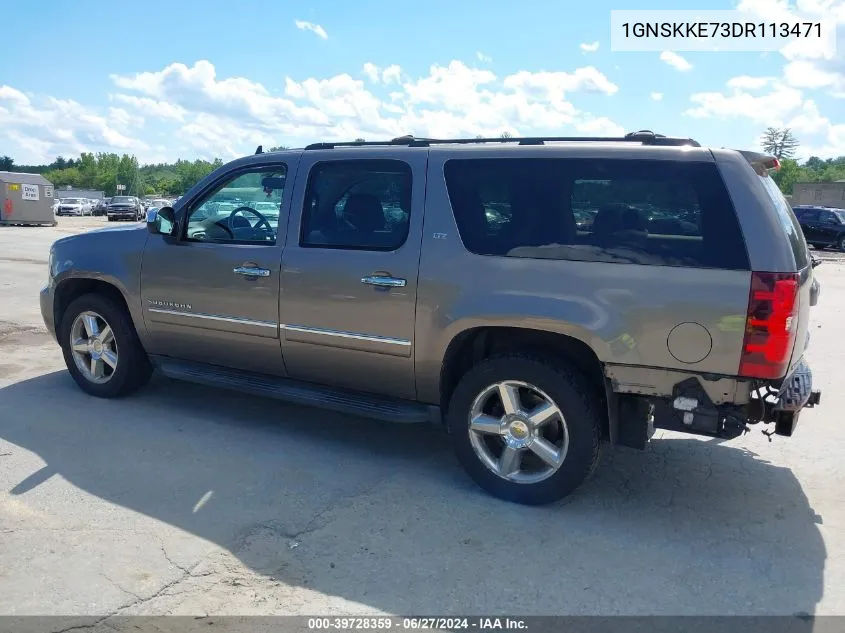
185,500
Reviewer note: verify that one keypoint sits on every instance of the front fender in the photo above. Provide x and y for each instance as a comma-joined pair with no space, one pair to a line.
112,256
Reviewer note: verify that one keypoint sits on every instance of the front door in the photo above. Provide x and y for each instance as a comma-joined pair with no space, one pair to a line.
211,292
349,270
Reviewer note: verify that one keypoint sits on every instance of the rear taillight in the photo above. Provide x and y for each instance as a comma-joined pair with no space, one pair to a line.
770,325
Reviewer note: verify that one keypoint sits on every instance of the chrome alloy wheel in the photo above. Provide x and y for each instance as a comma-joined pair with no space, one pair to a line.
93,347
518,432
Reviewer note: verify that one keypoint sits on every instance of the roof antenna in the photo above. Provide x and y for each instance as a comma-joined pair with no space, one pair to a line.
259,149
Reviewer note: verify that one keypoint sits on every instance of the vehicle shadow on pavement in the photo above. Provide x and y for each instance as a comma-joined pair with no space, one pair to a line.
382,517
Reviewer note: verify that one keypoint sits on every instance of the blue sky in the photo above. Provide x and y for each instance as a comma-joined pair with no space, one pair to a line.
185,79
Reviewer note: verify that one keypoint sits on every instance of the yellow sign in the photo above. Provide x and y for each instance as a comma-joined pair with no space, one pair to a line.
14,187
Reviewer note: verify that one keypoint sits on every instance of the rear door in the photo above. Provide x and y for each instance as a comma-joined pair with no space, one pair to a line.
809,220
349,271
829,227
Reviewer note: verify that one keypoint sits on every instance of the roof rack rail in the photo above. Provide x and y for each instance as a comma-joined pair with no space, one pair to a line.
644,137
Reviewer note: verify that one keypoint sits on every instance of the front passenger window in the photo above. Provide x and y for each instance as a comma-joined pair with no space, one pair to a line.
244,210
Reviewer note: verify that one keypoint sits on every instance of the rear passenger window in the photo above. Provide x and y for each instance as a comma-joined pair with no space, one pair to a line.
358,205
788,222
660,213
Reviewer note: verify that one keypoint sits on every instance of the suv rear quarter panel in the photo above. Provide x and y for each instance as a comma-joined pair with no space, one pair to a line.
768,250
623,312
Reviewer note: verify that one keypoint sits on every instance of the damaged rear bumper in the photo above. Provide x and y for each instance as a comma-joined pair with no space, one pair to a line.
796,393
690,410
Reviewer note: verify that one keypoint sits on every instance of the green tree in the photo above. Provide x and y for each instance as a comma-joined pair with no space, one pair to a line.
7,163
788,174
779,142
506,134
88,170
278,148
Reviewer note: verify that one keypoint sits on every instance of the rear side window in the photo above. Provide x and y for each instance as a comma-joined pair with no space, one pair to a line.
789,222
659,213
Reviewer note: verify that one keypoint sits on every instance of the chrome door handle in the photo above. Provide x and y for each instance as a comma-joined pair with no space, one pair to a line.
251,271
386,282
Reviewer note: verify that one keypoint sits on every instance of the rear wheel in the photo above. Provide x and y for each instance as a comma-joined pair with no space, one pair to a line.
524,428
101,348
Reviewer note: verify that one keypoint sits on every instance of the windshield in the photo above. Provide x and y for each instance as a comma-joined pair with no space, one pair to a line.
839,213
122,199
72,201
789,222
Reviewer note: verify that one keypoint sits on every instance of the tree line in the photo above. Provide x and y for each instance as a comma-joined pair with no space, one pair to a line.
105,171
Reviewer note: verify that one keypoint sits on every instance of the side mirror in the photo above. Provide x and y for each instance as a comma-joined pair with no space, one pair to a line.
161,221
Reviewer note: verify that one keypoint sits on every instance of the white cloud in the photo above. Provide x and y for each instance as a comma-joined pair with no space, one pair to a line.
675,61
749,83
589,47
390,74
316,29
808,74
43,128
121,117
372,71
205,115
767,109
197,89
483,58
588,79
151,107
818,63
657,96
828,138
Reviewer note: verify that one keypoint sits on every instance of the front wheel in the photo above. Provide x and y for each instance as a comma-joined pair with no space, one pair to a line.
525,429
841,243
101,348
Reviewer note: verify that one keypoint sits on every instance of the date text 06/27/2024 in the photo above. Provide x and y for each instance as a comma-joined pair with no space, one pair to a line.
416,623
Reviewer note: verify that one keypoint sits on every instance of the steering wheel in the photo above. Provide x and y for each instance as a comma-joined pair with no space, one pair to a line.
262,221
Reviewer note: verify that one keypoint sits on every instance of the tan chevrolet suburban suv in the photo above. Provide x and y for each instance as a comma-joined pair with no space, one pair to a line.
541,297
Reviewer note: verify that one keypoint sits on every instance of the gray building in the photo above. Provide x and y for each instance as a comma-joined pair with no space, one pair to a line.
70,192
26,199
823,194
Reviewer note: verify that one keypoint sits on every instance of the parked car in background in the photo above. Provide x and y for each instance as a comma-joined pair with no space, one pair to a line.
74,207
157,203
101,206
56,205
532,338
822,226
124,208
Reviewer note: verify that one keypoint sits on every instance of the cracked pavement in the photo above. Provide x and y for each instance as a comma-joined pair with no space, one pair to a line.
192,501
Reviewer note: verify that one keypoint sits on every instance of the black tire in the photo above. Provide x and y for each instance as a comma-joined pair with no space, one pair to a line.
840,243
816,246
133,367
573,396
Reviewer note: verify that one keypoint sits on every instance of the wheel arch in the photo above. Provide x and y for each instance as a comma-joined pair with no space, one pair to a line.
475,344
72,288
